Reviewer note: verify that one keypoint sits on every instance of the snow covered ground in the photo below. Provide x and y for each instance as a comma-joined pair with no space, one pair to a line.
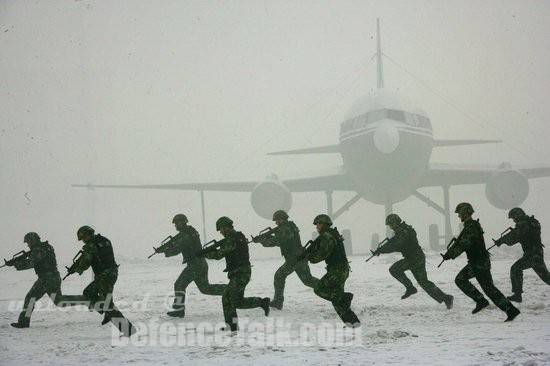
415,331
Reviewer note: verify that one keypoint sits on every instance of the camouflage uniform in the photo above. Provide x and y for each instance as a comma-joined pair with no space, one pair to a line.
526,232
187,242
472,242
42,259
97,252
406,242
329,247
235,251
287,237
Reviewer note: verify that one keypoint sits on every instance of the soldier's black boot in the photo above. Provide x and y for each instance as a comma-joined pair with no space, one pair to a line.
351,320
516,297
448,300
512,313
177,313
20,325
410,291
265,305
22,322
480,305
348,296
277,304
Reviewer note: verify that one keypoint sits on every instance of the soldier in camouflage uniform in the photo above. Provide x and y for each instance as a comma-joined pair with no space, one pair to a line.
405,242
329,246
41,257
526,232
187,242
471,241
234,248
97,252
287,237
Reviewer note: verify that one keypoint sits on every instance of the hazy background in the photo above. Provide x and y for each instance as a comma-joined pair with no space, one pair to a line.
131,92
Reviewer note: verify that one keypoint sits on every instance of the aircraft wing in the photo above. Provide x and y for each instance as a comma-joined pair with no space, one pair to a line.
456,174
245,186
334,179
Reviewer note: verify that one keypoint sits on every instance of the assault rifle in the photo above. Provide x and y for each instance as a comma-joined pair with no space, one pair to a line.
71,269
306,247
375,253
209,247
16,257
449,246
160,248
264,234
495,241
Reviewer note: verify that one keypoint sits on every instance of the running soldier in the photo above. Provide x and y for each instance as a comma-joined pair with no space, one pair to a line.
526,232
41,257
405,242
234,248
329,246
287,237
188,243
472,242
97,252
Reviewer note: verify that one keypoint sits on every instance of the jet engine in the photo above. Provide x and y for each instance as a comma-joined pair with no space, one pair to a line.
270,196
507,188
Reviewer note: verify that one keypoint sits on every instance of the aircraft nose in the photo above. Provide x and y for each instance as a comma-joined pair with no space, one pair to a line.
386,138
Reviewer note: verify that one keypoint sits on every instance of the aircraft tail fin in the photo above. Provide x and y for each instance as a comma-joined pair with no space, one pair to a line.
329,149
439,143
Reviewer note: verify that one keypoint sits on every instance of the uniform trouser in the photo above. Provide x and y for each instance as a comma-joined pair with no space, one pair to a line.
46,284
301,268
417,266
233,296
482,273
98,295
532,261
197,272
331,287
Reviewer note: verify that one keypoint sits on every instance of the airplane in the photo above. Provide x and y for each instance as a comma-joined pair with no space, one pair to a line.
385,143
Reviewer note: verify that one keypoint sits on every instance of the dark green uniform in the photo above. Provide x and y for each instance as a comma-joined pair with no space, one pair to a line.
42,259
98,253
406,243
526,232
329,246
472,242
235,251
287,237
187,242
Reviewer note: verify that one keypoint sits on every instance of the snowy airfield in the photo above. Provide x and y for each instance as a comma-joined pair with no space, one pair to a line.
415,331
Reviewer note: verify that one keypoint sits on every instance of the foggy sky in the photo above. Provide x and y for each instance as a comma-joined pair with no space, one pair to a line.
133,92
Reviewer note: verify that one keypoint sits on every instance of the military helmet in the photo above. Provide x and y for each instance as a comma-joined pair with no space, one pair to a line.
31,238
322,219
393,219
84,230
515,213
464,208
223,221
280,214
180,218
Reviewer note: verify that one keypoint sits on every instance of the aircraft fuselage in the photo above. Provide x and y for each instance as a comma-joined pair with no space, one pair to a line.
386,146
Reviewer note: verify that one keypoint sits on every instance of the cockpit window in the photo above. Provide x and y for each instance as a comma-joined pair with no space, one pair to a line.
363,120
